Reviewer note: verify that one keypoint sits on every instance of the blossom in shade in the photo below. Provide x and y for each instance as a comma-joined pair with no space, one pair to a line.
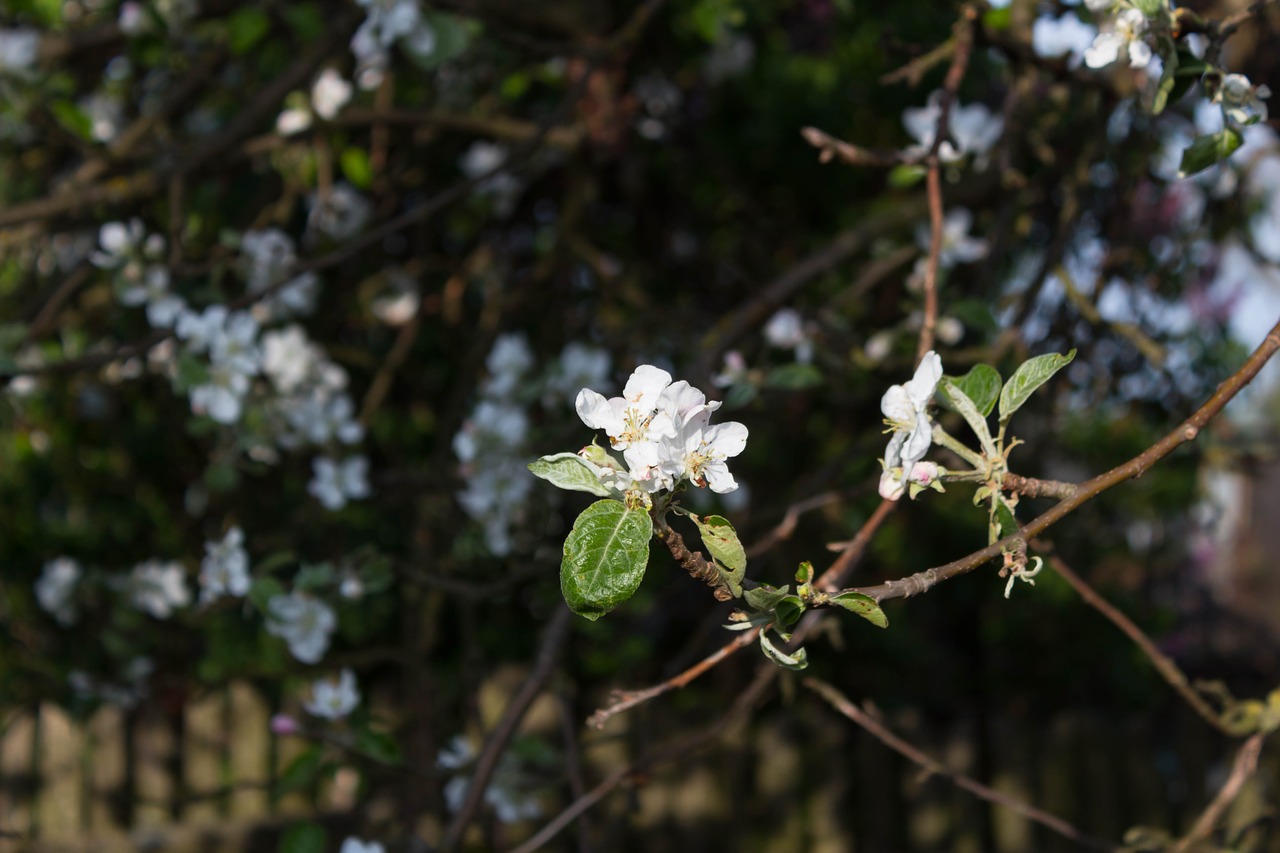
333,699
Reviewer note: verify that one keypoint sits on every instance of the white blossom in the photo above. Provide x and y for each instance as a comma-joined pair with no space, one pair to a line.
221,395
331,699
957,246
225,568
160,587
974,128
55,589
329,93
303,622
336,483
1124,36
351,844
288,357
1062,36
634,417
339,213
19,49
1242,102
786,330
904,410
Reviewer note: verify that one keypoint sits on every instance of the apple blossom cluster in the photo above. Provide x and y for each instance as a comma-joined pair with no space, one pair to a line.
277,386
329,94
159,587
507,792
304,622
664,431
386,24
225,568
491,444
333,699
905,411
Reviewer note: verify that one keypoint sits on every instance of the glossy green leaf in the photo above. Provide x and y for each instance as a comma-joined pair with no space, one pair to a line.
304,838
904,176
1029,376
788,611
262,590
1205,151
72,118
569,471
863,605
981,385
977,422
605,556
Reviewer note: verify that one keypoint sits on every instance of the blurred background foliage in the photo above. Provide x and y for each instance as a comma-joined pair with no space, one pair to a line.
659,203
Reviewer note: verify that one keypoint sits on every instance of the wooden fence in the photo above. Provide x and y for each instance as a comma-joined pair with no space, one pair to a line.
795,779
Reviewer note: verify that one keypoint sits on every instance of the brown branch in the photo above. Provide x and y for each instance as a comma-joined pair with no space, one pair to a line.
783,529
552,640
679,749
494,127
1163,664
623,700
1245,765
1187,431
1033,488
831,148
698,566
963,49
838,701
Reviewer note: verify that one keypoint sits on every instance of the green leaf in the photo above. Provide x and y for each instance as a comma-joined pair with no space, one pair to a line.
380,746
569,471
981,385
302,771
863,605
1205,151
1029,376
797,660
73,119
804,573
1150,8
905,176
977,422
605,556
304,838
765,597
1006,524
788,611
306,19
721,540
355,165
263,590
1190,69
793,377
246,27
1168,77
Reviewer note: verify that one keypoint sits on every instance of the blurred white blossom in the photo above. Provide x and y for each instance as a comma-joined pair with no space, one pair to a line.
159,588
332,699
335,483
55,589
225,568
303,622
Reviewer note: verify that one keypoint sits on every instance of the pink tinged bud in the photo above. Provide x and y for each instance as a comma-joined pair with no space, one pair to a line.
891,488
924,473
284,725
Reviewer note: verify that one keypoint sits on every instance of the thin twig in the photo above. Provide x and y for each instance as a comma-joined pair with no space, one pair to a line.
679,749
838,701
830,148
783,529
552,640
1163,664
1034,488
963,49
922,582
1245,765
